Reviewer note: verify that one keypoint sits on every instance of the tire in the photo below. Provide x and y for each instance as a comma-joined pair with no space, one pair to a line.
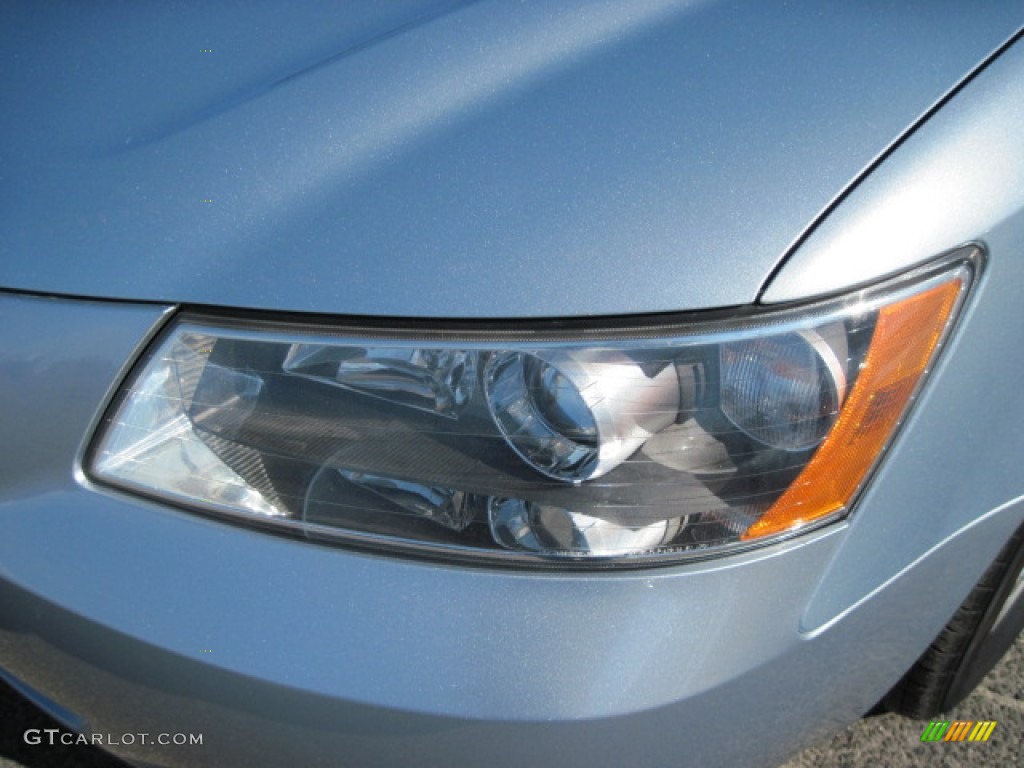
977,636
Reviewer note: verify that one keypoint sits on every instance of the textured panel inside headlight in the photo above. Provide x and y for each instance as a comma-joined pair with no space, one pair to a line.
621,446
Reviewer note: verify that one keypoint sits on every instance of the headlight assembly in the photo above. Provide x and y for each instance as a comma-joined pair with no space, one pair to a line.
549,446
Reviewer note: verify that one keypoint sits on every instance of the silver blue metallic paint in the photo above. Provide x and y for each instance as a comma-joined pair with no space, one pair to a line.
325,656
450,159
957,178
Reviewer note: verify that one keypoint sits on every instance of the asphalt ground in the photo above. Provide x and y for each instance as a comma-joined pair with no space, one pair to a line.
883,740
893,741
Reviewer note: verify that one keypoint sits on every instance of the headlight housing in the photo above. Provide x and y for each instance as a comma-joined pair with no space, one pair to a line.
552,445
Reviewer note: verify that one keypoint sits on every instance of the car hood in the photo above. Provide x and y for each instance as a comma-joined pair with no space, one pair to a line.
449,159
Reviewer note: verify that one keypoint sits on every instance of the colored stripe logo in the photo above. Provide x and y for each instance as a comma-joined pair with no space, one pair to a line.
958,730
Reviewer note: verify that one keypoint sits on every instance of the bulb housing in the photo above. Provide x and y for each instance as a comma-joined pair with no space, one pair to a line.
577,414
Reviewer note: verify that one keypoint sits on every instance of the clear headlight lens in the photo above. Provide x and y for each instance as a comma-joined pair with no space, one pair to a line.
623,446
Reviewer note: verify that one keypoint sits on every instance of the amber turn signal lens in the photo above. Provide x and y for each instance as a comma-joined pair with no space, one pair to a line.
905,338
